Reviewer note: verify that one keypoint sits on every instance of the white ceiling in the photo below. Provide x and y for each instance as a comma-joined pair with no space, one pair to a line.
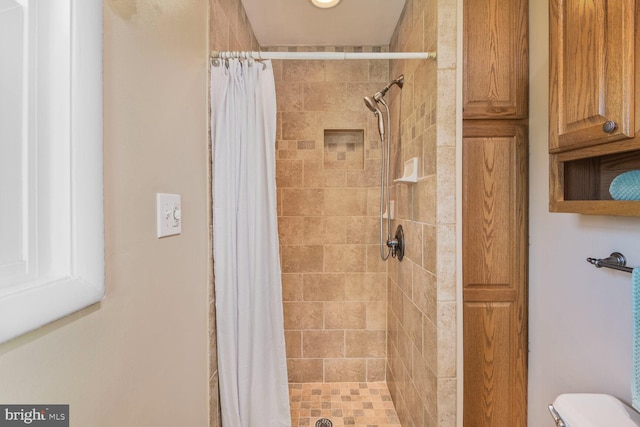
299,23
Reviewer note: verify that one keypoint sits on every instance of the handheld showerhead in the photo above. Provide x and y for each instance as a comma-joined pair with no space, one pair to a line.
394,246
372,101
373,106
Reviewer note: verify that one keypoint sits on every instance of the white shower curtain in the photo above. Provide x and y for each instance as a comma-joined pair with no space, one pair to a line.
248,290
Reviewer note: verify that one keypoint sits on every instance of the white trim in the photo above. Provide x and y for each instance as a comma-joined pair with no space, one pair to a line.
459,282
69,269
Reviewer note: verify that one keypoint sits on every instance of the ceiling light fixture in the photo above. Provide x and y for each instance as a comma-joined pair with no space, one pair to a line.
325,4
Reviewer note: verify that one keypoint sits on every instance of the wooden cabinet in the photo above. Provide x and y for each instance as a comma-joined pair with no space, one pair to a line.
494,241
494,212
594,104
592,73
496,60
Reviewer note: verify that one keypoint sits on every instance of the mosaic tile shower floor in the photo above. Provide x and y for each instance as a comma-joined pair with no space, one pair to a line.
345,404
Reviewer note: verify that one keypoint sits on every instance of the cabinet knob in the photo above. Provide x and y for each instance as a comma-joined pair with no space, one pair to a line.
609,126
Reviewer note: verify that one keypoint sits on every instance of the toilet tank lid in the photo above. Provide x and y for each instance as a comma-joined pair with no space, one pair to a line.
594,410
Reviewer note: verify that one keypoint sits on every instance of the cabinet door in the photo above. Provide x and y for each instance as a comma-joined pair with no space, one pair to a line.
494,273
591,72
496,61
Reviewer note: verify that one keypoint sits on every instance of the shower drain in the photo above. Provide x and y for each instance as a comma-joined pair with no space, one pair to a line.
324,422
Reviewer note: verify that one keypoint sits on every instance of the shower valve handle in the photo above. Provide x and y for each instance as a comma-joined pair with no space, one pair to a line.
397,244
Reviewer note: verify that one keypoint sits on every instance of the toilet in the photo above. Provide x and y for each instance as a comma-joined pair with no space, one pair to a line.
592,410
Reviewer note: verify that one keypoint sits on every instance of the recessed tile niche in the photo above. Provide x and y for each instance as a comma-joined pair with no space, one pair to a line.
344,149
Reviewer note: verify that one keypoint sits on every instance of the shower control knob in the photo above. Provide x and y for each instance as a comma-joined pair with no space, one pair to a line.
609,126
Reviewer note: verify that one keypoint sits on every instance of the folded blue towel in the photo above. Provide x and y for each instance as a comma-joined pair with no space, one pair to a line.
626,186
635,301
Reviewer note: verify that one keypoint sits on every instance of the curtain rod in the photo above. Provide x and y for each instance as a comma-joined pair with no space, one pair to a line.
323,55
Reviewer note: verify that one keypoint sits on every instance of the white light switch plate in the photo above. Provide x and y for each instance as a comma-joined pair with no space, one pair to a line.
169,213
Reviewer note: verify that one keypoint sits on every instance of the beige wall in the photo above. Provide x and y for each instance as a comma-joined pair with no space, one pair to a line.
140,357
328,188
421,371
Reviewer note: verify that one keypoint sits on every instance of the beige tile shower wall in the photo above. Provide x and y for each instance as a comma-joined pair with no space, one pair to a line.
229,29
421,368
333,279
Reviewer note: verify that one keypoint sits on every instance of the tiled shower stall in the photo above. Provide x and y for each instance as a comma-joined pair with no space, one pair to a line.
349,317
328,179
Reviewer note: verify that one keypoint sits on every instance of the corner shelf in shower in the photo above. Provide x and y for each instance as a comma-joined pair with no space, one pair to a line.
410,173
